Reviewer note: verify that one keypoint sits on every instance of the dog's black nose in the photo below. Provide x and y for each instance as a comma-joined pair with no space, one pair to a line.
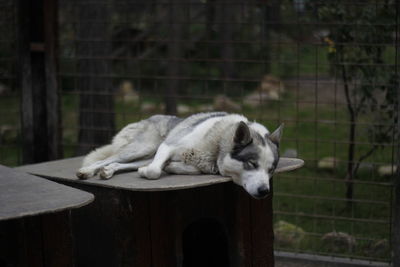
263,191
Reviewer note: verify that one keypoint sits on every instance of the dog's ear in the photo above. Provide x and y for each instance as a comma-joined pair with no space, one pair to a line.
242,134
275,137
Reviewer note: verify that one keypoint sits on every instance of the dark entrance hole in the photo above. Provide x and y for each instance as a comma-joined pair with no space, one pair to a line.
205,244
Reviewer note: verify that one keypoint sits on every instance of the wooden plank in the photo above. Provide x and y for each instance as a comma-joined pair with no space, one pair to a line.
262,232
38,78
12,243
57,239
162,231
33,241
113,230
64,170
241,251
36,241
53,111
94,230
123,228
22,195
25,80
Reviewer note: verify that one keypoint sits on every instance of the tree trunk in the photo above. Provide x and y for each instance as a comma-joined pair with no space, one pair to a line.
210,20
396,202
350,163
352,135
96,108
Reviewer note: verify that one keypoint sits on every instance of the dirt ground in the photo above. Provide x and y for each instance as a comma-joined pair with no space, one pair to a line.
293,263
300,262
323,90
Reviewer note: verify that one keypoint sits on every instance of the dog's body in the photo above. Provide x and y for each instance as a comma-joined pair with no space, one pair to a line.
209,143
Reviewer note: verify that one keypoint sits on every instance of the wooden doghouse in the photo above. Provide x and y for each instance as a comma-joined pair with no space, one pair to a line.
34,220
202,220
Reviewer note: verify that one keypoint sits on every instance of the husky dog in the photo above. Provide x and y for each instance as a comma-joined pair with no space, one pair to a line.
208,143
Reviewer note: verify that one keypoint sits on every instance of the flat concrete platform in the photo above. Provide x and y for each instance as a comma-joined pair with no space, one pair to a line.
23,195
64,170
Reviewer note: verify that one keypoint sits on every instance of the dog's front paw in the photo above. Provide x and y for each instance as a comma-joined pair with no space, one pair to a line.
150,172
107,172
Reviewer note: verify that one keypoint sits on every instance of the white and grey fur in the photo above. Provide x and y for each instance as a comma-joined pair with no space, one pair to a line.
208,143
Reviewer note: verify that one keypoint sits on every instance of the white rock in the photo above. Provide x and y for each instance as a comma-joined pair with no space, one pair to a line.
338,241
328,163
127,92
380,248
387,170
148,107
183,109
205,108
224,103
270,88
288,234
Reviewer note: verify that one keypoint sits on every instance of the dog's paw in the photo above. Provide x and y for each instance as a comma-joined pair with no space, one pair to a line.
84,174
150,172
107,172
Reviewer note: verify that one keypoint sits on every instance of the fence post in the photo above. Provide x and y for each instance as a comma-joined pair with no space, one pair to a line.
37,24
396,202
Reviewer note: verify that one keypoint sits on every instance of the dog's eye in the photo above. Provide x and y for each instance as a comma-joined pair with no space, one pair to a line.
252,164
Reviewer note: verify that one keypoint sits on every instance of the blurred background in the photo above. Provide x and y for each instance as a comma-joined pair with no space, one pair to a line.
327,69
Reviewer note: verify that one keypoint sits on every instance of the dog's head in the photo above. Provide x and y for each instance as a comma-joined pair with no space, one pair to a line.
253,158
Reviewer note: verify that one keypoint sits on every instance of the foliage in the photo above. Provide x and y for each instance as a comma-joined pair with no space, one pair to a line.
357,40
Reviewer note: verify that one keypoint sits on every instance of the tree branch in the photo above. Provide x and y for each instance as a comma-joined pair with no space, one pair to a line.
368,153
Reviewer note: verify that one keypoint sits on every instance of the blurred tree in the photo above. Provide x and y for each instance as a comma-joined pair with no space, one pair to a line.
357,41
226,18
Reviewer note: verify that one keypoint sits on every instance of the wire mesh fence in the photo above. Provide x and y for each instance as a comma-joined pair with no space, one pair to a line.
327,69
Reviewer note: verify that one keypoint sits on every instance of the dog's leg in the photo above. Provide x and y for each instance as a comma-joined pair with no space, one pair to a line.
129,153
108,171
154,170
178,167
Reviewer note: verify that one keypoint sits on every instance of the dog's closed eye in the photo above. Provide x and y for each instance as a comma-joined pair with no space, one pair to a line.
250,165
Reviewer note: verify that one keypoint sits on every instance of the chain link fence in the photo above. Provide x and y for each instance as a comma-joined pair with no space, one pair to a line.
327,69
